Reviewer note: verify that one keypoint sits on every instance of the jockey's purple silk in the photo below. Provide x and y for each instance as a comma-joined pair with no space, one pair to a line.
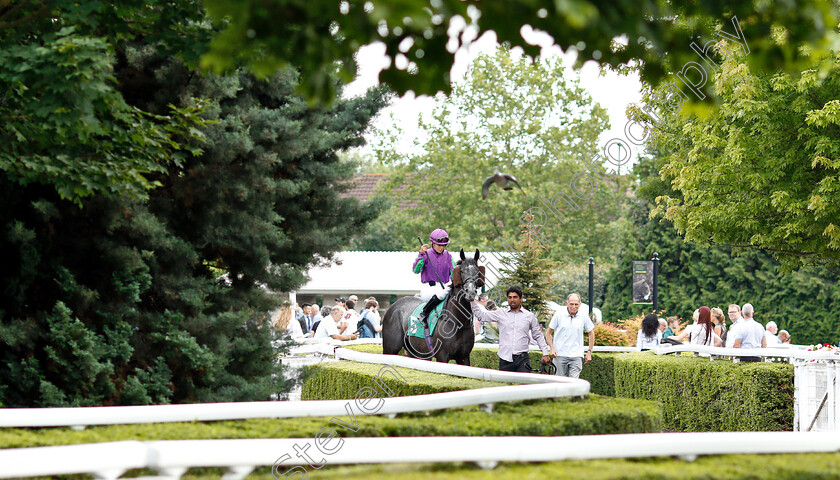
442,263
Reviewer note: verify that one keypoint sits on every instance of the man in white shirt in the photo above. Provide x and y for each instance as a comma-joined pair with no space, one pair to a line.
328,328
749,334
735,316
350,318
570,323
772,329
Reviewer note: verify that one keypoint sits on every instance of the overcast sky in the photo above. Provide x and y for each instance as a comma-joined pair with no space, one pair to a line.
612,91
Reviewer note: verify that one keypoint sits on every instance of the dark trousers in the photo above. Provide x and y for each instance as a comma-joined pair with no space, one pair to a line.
521,363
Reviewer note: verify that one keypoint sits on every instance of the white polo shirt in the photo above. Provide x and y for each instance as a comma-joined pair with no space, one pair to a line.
568,331
749,332
327,328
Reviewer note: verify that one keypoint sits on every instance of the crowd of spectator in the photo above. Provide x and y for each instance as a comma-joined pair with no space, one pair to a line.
708,327
341,321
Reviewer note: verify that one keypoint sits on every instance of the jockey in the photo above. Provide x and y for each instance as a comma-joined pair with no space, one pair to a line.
435,268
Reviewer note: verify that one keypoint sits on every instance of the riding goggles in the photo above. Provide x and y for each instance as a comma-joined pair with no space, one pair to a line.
441,240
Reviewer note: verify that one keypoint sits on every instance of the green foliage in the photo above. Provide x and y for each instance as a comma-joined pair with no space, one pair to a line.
560,416
531,270
334,380
65,122
818,466
804,301
702,395
118,302
318,37
525,118
600,373
761,172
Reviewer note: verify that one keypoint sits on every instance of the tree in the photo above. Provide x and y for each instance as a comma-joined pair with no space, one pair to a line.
524,118
421,37
116,299
761,172
803,301
64,121
530,269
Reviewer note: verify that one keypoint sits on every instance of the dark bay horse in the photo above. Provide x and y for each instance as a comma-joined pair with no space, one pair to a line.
453,338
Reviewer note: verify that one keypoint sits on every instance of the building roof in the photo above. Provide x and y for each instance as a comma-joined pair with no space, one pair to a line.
379,272
364,187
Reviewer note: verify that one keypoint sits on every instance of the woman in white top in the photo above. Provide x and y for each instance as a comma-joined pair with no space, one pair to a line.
701,332
284,323
648,336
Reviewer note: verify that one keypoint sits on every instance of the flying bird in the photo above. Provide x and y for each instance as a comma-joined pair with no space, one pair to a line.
501,179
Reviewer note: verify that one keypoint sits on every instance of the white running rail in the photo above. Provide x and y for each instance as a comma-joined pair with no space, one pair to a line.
545,386
172,458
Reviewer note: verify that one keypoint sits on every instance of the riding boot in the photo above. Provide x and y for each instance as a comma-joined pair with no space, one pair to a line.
427,310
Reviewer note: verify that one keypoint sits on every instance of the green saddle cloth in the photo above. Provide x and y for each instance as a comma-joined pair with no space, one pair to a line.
415,326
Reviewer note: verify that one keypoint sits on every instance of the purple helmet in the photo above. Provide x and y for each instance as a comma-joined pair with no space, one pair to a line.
440,237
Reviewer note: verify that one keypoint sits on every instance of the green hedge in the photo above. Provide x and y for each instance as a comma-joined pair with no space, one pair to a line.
333,380
593,415
811,466
599,372
702,395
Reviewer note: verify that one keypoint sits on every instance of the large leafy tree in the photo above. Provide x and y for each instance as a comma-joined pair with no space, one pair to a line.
524,118
421,37
112,295
762,171
805,301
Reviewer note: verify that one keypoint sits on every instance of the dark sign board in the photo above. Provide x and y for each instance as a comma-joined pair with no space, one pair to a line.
643,282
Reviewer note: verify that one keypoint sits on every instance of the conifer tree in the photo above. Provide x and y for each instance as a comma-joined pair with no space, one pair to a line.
530,268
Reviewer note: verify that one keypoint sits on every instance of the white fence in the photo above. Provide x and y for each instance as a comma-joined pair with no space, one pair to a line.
817,391
172,458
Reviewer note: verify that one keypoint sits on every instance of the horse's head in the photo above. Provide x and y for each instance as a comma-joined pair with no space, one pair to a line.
469,276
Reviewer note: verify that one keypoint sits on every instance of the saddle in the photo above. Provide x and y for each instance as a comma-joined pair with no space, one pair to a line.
415,326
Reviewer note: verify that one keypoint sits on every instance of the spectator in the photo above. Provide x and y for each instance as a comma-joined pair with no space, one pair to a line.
719,321
316,313
749,333
369,326
673,325
354,298
701,332
516,327
663,325
350,320
340,301
491,305
306,319
784,336
328,328
735,316
648,336
570,325
284,322
325,312
770,333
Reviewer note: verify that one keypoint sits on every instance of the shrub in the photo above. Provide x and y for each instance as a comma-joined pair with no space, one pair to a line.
594,414
608,334
702,395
